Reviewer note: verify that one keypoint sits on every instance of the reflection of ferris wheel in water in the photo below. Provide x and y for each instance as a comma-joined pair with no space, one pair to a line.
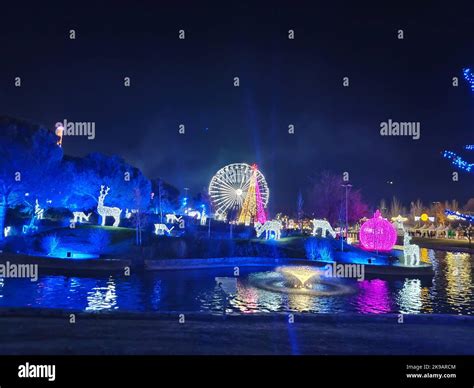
229,188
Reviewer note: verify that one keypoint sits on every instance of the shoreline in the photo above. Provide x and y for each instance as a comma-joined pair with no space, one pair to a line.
101,265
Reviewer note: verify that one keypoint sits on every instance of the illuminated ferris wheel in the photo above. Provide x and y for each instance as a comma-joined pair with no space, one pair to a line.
231,184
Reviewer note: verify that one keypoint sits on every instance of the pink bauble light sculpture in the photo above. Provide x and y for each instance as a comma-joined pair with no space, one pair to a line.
377,234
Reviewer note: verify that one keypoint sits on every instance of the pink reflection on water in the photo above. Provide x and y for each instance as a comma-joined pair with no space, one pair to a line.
373,297
247,298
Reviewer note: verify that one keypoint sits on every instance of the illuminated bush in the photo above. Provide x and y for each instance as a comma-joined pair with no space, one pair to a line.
50,244
318,249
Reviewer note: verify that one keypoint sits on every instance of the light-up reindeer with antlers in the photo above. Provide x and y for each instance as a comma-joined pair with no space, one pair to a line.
106,211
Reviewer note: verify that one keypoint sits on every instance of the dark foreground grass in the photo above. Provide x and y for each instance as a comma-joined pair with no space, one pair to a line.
236,335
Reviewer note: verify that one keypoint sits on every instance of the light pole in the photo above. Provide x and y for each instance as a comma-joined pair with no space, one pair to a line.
347,186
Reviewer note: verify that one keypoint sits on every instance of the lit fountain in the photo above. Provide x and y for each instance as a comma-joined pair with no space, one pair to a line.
299,276
303,280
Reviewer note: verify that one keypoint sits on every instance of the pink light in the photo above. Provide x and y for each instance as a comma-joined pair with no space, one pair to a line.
377,234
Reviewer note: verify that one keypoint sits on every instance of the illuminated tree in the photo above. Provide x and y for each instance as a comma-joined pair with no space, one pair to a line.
30,160
469,206
87,175
383,208
416,208
453,205
437,210
165,197
395,207
327,199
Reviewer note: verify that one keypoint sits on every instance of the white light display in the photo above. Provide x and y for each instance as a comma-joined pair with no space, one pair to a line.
203,217
39,212
193,214
6,231
229,187
398,222
128,213
161,229
271,228
411,252
424,218
172,218
325,227
80,217
106,211
29,229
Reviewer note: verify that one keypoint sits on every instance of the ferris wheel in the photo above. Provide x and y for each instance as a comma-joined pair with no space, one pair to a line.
230,185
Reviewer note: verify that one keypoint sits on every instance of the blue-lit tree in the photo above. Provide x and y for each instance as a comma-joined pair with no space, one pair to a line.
30,161
165,197
88,174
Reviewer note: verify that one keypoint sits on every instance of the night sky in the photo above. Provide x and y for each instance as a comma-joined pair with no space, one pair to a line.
282,82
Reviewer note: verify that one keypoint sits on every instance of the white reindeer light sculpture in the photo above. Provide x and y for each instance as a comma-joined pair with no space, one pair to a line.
194,214
325,227
161,229
172,218
269,227
80,217
106,211
411,252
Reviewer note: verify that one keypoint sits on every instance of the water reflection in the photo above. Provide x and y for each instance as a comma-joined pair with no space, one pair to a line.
102,298
246,299
459,287
409,297
450,291
301,303
156,295
374,297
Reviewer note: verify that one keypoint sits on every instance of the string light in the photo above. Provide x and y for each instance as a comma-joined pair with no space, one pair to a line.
466,217
468,76
458,162
253,205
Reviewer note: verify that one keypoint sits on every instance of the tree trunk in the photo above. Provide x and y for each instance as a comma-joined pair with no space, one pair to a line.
3,213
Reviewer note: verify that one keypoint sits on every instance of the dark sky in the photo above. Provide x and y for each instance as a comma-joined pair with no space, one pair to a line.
282,82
